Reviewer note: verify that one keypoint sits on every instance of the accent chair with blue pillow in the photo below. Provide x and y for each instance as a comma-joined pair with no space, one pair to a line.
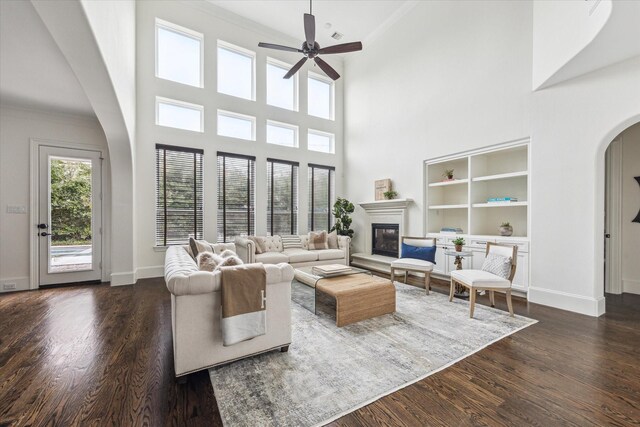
417,255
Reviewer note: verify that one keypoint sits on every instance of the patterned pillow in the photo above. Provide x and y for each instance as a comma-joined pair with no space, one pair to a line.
498,265
318,240
260,243
197,246
332,240
291,242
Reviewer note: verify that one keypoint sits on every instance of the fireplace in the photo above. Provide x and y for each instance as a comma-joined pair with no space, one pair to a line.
384,239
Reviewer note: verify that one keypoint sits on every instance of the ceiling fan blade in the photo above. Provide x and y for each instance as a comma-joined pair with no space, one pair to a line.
279,47
329,71
341,48
295,68
310,29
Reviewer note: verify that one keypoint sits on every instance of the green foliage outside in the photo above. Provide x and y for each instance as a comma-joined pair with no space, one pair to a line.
70,202
342,210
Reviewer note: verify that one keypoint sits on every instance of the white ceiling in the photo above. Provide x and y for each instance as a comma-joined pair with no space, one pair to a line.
358,20
33,71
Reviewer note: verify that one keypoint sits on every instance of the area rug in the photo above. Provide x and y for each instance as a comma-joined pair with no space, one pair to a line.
330,371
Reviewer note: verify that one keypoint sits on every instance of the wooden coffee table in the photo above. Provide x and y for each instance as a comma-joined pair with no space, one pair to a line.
358,295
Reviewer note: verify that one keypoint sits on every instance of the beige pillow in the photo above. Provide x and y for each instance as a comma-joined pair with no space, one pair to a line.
318,240
260,243
227,253
197,246
208,261
229,262
332,240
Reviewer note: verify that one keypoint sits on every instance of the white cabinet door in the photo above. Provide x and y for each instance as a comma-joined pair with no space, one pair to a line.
521,278
441,261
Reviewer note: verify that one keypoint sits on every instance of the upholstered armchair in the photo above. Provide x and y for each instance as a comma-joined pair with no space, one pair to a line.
415,265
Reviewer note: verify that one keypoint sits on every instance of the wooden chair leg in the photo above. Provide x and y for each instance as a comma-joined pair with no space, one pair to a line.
452,290
406,276
509,302
472,301
393,276
427,281
492,298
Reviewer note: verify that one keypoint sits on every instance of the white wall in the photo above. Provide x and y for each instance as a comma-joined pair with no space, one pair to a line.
447,77
468,85
630,231
17,126
215,24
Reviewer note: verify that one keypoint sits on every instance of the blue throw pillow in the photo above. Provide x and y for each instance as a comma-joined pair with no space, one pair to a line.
425,253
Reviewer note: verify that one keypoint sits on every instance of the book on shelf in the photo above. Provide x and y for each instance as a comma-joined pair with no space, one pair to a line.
451,230
502,199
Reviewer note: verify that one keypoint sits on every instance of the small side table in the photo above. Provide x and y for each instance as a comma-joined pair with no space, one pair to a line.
461,291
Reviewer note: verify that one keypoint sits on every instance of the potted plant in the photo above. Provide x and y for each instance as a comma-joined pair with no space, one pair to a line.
390,195
342,210
506,229
448,174
458,242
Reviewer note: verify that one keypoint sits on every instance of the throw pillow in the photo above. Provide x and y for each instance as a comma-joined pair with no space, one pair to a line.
197,246
260,243
227,253
229,262
498,265
332,240
318,240
426,253
208,261
291,242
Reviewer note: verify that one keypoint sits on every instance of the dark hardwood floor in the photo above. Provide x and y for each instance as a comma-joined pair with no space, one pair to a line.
96,355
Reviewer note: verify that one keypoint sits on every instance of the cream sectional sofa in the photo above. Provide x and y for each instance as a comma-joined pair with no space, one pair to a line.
196,313
276,254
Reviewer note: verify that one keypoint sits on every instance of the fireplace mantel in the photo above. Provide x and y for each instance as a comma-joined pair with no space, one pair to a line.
386,204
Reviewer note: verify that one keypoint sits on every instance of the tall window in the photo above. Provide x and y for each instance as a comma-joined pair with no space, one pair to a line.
320,96
282,197
178,54
321,194
179,203
281,92
236,71
236,196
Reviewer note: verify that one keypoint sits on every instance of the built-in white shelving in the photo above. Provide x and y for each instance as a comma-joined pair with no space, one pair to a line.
499,205
449,182
437,207
499,176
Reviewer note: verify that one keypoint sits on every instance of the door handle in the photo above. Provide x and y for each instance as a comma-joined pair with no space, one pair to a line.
42,226
45,234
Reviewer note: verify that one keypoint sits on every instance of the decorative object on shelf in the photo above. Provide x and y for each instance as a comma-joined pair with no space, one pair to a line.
382,186
451,230
458,242
637,218
390,195
448,174
342,210
501,200
506,229
311,49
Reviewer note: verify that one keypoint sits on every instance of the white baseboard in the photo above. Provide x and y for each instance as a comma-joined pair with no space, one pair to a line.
150,272
631,286
21,284
120,279
566,301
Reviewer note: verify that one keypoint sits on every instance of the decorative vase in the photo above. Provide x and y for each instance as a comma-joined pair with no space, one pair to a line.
458,248
506,231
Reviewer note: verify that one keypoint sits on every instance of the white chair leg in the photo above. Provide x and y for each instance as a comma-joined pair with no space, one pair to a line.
472,301
452,290
509,302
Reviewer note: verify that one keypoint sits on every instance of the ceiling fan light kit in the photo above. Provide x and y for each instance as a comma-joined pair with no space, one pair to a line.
311,49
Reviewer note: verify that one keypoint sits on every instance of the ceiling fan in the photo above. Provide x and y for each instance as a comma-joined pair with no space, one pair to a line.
311,49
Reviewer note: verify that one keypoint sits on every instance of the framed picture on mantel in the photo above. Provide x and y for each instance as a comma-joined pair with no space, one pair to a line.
382,186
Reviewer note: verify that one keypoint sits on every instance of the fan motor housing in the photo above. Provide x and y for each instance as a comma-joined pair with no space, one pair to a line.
310,53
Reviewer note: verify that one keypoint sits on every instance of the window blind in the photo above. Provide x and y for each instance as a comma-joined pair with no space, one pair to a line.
282,197
179,205
321,194
236,196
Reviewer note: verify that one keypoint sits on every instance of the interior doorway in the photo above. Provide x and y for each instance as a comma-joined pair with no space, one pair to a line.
622,206
68,231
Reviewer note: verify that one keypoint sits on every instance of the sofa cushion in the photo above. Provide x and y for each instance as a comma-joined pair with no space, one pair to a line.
479,278
300,255
324,254
291,242
272,258
318,240
332,240
273,244
412,264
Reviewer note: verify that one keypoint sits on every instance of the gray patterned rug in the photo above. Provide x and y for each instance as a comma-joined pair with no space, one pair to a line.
330,371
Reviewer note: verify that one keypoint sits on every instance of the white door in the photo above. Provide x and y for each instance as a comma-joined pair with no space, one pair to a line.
69,229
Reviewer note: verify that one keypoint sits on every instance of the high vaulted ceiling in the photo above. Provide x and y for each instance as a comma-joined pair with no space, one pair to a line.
33,71
357,20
